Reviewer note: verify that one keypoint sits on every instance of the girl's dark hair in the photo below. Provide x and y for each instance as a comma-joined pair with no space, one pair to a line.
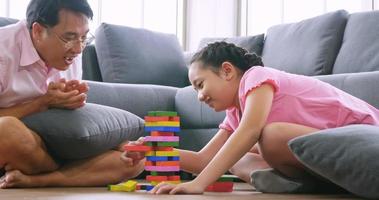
46,12
215,54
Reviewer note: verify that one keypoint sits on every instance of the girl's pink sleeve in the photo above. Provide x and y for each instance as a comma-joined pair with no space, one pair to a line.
256,77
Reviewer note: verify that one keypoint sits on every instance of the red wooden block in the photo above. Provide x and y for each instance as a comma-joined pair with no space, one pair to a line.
173,178
163,148
161,133
220,187
157,118
156,178
142,148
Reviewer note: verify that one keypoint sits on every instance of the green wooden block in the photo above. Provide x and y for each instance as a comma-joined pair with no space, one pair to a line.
227,178
167,144
162,113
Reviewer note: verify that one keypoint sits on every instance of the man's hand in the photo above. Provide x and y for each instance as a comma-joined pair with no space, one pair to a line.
132,158
66,94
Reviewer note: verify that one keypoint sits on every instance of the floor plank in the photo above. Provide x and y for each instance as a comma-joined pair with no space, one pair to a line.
242,192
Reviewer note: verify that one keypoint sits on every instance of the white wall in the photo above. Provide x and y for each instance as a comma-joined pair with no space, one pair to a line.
210,18
192,20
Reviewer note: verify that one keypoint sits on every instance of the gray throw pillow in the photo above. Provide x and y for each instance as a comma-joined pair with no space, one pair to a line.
140,56
84,132
347,156
253,44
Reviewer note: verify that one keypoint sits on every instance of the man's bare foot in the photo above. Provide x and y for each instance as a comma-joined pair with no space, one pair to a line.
15,178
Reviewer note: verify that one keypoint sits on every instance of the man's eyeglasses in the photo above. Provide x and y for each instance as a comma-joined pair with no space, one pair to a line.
70,43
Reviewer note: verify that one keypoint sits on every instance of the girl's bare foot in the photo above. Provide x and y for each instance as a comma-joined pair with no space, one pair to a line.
15,178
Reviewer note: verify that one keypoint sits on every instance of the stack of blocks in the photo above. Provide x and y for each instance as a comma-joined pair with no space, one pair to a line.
162,161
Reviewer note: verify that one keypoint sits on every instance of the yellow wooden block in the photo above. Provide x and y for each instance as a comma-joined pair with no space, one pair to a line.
167,153
115,188
157,182
150,153
129,186
163,123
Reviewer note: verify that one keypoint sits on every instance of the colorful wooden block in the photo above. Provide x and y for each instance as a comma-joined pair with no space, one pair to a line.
161,118
161,128
161,139
162,113
163,148
141,148
167,144
220,187
162,168
160,133
157,158
167,163
157,182
156,178
167,153
163,123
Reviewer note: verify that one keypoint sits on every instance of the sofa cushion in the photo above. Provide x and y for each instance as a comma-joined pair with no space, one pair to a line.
347,156
195,114
308,47
84,132
135,98
131,55
363,85
6,21
360,47
250,43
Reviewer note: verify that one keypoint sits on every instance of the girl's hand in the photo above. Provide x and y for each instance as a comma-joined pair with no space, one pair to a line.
183,188
132,158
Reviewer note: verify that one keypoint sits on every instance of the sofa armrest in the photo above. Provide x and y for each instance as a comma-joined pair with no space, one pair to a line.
135,98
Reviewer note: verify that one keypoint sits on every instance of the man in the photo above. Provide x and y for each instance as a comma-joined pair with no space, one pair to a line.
40,68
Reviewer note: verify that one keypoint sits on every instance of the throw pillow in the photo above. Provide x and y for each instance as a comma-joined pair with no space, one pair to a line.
253,44
140,56
347,156
84,132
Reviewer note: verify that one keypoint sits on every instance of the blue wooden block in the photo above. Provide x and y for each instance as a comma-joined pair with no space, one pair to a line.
162,128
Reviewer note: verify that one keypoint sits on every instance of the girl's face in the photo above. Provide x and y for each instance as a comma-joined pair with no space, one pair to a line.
219,90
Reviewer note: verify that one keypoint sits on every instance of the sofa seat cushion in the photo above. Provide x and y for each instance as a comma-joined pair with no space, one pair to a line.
347,156
360,47
308,47
195,114
131,55
86,131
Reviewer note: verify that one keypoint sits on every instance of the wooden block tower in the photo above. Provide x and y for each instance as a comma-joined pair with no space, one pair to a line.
162,161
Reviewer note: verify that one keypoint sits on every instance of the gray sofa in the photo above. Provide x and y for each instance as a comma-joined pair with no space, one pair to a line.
338,48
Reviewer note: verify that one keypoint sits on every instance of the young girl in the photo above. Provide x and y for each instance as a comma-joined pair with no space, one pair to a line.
265,108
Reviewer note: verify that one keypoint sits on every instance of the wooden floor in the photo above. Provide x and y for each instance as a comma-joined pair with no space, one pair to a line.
242,191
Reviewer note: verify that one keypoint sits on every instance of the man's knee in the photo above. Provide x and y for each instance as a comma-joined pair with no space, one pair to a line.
15,136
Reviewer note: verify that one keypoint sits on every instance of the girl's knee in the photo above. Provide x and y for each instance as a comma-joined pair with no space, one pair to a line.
270,142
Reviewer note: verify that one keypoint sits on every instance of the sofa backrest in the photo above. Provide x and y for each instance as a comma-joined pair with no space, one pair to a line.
6,21
308,47
360,47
